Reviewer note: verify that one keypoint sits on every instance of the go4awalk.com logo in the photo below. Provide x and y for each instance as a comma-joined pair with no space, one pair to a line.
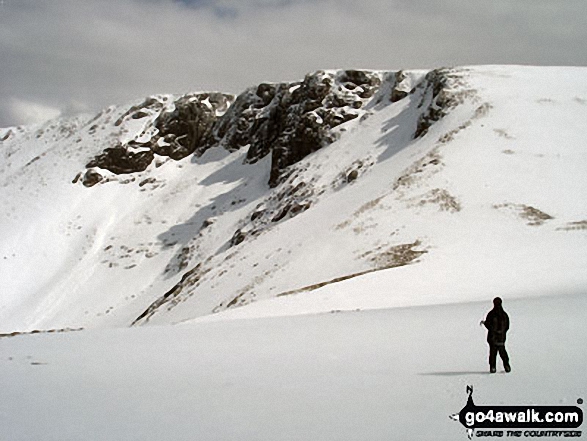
519,421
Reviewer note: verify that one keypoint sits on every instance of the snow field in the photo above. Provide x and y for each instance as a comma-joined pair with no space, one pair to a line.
362,375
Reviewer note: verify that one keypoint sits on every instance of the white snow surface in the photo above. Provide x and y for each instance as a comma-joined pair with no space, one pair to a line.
388,374
356,319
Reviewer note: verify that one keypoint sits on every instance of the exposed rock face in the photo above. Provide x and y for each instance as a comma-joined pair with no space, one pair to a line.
288,121
292,120
91,178
440,100
188,126
292,198
120,160
399,90
151,104
179,131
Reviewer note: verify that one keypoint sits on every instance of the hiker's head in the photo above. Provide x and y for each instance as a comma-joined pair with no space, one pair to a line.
497,302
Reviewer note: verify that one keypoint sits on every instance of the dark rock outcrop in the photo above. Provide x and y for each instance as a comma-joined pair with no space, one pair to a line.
120,160
439,100
179,131
399,91
146,108
289,121
292,120
188,125
7,135
91,178
292,198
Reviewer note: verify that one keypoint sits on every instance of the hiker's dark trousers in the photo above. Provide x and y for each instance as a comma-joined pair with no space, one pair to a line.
493,350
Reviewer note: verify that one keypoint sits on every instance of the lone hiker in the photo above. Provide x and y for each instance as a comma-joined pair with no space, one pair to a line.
497,322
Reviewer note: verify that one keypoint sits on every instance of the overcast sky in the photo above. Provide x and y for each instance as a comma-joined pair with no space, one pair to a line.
70,56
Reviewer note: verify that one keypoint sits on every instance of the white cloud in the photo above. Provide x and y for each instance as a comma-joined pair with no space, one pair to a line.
111,51
26,112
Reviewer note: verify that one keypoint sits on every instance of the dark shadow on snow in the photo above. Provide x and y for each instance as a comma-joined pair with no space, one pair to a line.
455,373
243,188
398,131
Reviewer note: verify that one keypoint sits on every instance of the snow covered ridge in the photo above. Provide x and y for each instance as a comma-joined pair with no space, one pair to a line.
346,190
287,120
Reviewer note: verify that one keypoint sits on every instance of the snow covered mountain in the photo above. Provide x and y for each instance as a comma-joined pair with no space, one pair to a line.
317,256
407,188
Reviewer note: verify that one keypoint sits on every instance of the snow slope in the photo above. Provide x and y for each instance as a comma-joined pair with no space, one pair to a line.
388,374
431,197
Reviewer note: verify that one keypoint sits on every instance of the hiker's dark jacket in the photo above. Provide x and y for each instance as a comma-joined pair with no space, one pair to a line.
498,323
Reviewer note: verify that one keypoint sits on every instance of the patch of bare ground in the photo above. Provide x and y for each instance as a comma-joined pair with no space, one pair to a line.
426,166
353,172
37,331
381,257
179,293
398,255
246,295
534,216
574,226
503,133
442,198
449,136
480,112
364,227
367,206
